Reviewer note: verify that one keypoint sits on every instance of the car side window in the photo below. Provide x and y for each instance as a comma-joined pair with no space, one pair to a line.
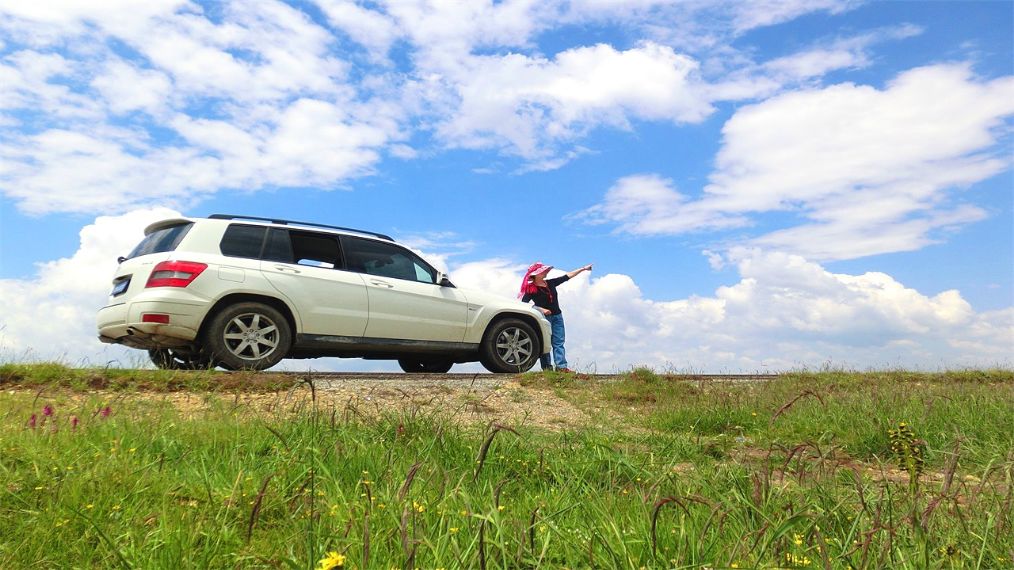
386,260
278,247
242,241
315,250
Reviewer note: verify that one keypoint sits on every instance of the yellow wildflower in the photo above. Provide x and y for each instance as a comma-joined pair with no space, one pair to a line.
331,561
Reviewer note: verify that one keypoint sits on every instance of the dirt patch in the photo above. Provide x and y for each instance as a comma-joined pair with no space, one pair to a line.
462,400
505,402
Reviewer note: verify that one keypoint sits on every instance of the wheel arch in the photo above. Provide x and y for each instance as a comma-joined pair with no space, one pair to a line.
529,319
234,298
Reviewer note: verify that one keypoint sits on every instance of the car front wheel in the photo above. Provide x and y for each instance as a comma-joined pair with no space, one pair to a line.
510,345
248,336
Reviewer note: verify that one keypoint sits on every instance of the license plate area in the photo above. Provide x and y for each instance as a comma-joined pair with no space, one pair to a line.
120,285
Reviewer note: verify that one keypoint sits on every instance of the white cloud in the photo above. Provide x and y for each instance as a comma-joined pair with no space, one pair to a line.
498,275
374,30
31,79
51,316
647,204
126,88
761,13
535,106
873,170
814,144
740,78
144,88
72,17
254,99
308,143
530,104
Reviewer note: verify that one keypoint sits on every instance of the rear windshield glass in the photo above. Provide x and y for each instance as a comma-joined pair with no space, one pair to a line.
161,241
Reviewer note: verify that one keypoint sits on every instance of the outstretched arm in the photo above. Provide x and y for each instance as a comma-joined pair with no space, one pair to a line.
576,272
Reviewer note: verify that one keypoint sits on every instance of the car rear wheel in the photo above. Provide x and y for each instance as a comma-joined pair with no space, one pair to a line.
248,336
430,365
510,345
176,359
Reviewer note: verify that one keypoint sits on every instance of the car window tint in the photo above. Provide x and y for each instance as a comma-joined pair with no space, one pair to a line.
315,250
386,260
243,241
278,247
161,241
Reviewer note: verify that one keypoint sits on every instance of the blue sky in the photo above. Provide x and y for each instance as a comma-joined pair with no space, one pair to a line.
762,185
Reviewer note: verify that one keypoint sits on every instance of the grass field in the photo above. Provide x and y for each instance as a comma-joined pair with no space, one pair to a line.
821,470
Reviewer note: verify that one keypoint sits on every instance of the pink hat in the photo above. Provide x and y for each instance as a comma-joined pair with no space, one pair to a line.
534,269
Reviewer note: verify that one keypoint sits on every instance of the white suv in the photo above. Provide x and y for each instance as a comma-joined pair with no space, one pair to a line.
243,293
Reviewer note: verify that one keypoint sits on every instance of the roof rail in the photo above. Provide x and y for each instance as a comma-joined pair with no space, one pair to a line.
295,223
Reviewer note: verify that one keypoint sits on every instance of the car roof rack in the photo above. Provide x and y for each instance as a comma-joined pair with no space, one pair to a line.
295,223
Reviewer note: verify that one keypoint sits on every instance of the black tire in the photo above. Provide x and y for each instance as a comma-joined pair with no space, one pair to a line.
248,336
430,365
176,359
510,345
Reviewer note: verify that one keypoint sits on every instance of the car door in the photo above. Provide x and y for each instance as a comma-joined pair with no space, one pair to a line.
405,300
306,267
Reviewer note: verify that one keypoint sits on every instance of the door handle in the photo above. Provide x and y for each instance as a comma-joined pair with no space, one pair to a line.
282,268
382,284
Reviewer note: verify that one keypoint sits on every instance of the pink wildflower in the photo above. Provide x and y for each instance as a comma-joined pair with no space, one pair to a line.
104,412
47,410
73,422
31,421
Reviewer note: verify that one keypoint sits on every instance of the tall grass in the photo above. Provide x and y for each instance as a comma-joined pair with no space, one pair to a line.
686,477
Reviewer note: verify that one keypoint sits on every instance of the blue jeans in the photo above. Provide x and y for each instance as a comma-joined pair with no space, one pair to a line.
558,336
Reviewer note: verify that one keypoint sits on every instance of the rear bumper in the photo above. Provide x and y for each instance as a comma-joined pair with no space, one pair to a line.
122,323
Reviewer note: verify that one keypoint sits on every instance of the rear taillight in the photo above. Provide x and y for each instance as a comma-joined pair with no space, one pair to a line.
175,273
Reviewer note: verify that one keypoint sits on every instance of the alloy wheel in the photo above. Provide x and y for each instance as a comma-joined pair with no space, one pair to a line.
514,346
251,336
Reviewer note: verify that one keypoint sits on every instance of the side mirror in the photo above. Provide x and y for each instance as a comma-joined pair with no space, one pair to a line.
121,259
443,281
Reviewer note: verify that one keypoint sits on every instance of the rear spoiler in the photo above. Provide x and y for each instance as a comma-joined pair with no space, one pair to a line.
163,224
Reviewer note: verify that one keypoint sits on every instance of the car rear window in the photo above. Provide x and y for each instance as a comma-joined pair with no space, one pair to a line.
160,241
243,241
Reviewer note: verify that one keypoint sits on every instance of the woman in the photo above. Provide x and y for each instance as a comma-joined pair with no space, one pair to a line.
542,292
